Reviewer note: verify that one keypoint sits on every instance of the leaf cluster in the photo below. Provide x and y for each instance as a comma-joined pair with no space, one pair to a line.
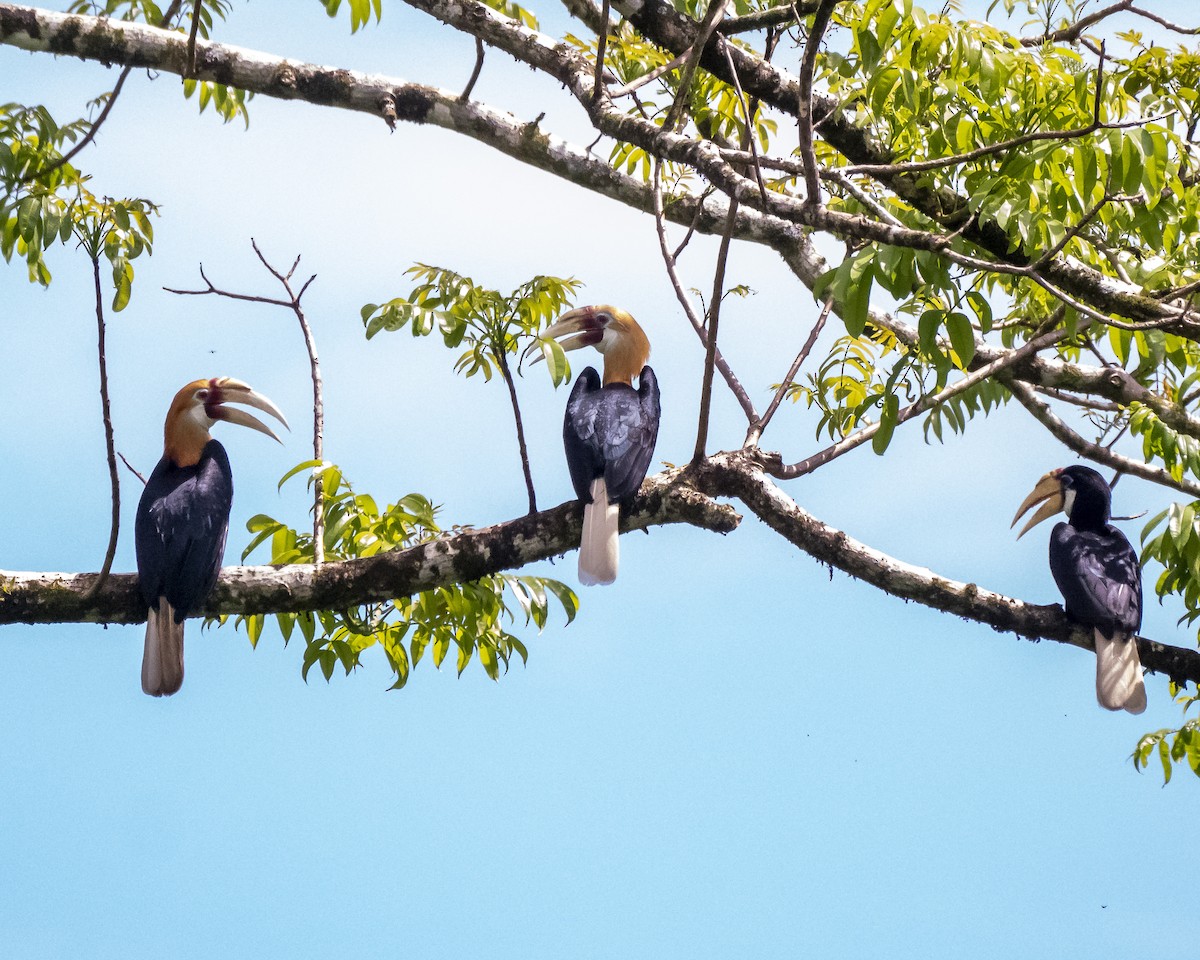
489,325
1172,746
471,618
44,203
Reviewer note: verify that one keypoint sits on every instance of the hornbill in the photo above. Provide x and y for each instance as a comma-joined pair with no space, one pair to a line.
609,429
1097,572
183,517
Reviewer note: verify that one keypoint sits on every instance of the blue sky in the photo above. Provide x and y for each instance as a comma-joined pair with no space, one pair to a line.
729,753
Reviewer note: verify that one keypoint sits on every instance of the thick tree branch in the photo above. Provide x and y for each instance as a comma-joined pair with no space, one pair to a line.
740,476
1040,410
681,495
139,45
466,555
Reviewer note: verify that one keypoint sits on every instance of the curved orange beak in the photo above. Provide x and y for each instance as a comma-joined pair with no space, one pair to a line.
227,390
1049,493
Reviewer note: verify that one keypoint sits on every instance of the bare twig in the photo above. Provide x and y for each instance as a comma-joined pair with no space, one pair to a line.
478,69
731,379
704,32
749,115
812,182
649,77
714,316
1087,403
106,411
99,122
292,303
87,137
191,60
754,434
131,467
783,15
601,44
502,357
1072,33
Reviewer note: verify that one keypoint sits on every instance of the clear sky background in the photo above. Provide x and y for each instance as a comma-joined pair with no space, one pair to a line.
729,753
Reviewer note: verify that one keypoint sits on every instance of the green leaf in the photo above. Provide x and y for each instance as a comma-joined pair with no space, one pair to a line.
962,338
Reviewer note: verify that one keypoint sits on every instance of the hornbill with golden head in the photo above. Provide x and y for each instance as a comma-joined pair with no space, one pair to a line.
610,428
183,517
1097,572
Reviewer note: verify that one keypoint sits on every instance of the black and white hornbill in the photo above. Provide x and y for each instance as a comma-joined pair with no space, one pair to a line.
610,428
183,517
1097,572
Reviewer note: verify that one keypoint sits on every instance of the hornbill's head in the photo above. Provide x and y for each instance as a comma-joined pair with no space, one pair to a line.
1079,492
201,404
610,330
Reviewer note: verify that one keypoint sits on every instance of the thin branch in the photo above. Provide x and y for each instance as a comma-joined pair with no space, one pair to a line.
785,14
94,129
502,358
756,429
1071,34
1040,410
314,363
1087,403
748,113
478,69
804,106
648,77
106,412
1174,27
822,457
710,353
191,48
291,303
87,137
731,379
131,468
601,44
704,32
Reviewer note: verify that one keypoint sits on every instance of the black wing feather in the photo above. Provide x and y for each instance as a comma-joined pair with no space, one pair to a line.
1099,577
610,431
579,433
182,522
633,433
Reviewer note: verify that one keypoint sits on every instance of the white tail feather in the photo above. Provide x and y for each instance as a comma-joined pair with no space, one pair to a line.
599,546
1119,683
162,659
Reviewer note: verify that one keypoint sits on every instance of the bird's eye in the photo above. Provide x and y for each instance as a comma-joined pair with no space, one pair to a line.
201,394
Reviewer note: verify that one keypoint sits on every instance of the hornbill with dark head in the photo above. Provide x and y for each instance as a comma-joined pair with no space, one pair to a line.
610,428
1097,572
183,517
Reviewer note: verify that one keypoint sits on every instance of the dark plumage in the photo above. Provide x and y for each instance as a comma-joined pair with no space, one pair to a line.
182,521
1097,572
610,432
183,518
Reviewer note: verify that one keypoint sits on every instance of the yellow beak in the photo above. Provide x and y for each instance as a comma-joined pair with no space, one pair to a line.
228,390
1049,489
580,327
